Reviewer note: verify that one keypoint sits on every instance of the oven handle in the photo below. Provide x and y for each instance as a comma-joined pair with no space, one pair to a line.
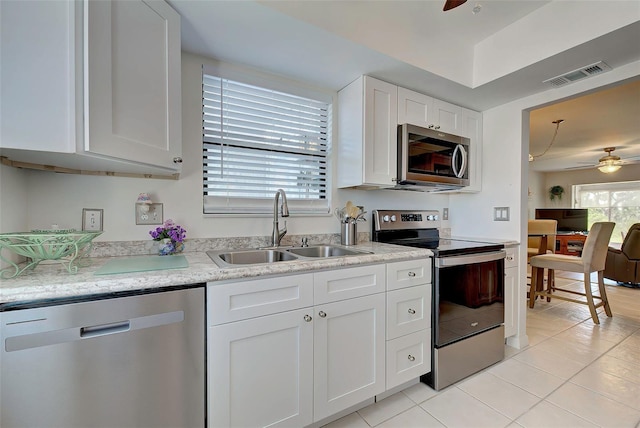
443,262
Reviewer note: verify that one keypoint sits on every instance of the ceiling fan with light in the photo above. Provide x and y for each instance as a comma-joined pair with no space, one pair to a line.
610,162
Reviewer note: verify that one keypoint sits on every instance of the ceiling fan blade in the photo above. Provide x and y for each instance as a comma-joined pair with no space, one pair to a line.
450,4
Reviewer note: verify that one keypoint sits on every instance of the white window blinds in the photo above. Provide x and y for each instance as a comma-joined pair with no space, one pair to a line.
256,141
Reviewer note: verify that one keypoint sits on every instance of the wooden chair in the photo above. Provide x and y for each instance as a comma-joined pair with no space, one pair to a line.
536,229
593,259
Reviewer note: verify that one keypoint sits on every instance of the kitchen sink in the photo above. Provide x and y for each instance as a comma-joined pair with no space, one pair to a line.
231,258
324,251
249,257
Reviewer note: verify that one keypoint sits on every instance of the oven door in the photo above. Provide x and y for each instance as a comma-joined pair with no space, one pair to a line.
469,295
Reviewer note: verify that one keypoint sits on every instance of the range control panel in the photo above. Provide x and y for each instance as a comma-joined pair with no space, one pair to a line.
405,219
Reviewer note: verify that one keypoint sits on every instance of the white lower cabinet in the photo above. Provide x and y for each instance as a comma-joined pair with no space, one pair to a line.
408,357
511,291
349,350
261,371
408,331
290,363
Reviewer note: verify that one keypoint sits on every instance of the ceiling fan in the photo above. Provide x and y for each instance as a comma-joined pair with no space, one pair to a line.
610,162
450,4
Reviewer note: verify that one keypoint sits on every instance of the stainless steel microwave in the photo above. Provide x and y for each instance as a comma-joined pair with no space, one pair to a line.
431,160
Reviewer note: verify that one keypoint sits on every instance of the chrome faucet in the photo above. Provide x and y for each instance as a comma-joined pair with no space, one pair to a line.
277,234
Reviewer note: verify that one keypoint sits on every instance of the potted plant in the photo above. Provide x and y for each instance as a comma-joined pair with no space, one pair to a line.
556,191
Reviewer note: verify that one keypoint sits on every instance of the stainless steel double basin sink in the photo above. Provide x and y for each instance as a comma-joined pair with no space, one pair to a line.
226,258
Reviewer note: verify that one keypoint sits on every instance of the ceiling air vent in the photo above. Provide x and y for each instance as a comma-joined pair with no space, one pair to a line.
581,73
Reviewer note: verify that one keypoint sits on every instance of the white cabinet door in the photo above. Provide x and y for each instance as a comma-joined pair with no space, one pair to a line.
510,291
447,117
367,134
37,76
415,108
260,371
422,110
349,353
380,132
473,130
132,72
408,310
408,357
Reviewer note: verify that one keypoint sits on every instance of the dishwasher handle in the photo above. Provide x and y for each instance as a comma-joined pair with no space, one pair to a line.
72,334
102,329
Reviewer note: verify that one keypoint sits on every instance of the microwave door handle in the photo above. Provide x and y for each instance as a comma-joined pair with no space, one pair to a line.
454,161
463,167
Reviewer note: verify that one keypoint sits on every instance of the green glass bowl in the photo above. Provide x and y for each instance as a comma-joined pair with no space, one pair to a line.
64,245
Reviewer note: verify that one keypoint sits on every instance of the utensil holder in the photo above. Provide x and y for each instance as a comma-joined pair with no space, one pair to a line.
348,233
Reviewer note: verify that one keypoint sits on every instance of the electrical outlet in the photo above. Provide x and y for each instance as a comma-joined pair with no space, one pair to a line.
445,213
149,214
92,219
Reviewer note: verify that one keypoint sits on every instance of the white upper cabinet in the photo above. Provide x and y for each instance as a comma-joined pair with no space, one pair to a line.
422,110
369,112
367,134
472,121
92,85
133,79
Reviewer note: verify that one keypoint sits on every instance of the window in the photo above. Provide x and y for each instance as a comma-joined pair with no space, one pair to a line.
258,140
617,202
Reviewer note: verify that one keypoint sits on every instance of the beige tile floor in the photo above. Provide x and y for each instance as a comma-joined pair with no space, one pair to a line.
573,374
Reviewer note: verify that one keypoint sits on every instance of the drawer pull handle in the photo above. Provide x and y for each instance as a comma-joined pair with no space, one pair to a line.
412,274
322,314
412,311
474,324
307,318
411,357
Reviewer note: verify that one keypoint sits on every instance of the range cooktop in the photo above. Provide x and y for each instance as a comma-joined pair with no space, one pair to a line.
420,229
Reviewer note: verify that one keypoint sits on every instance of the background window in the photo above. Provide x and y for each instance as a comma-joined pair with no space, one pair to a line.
617,202
257,140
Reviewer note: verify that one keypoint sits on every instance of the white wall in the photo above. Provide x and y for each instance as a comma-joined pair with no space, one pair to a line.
59,198
537,193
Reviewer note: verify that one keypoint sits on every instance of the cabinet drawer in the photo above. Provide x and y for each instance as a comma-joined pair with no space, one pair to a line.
247,299
409,273
335,285
408,310
408,357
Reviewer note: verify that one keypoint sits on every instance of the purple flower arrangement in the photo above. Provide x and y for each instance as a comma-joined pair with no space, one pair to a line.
170,231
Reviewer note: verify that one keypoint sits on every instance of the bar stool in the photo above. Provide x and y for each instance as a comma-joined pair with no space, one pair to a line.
593,259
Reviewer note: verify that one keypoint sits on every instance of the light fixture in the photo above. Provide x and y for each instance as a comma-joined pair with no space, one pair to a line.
557,123
609,163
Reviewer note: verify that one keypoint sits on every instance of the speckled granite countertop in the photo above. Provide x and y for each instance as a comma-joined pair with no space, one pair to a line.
52,281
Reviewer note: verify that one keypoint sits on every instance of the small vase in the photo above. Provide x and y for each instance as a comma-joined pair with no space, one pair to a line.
166,247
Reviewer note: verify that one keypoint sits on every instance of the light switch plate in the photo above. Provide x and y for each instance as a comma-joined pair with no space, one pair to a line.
153,215
500,213
92,219
445,213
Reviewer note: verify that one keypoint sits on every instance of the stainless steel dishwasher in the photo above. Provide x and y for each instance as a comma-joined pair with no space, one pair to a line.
133,361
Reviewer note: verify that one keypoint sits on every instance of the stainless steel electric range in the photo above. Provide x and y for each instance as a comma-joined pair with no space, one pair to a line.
468,293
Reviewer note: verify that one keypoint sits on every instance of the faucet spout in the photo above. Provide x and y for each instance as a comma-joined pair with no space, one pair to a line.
277,234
